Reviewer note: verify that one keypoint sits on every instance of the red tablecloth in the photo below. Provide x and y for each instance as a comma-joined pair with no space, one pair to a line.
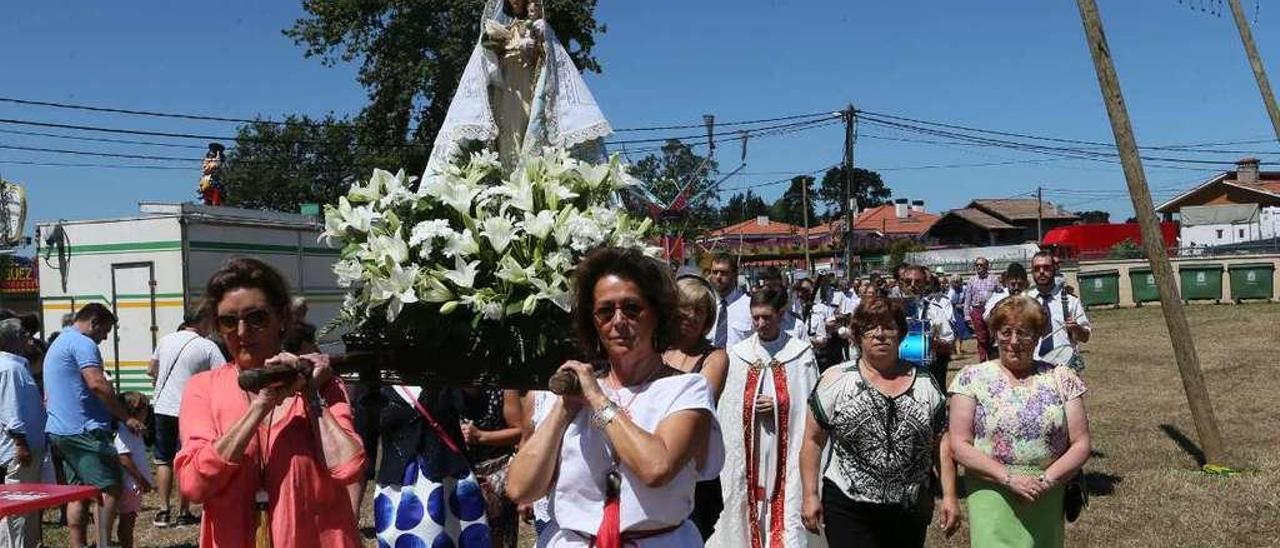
21,498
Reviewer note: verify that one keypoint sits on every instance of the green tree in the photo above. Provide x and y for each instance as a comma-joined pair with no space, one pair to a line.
867,188
789,208
743,206
412,53
666,173
1094,217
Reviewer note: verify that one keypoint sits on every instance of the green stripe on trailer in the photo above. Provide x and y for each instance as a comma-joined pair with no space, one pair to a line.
124,247
271,249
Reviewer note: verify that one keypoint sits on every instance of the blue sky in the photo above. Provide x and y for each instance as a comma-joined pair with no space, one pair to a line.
1001,64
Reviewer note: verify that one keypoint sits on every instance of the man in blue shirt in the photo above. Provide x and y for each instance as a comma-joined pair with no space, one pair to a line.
22,444
81,405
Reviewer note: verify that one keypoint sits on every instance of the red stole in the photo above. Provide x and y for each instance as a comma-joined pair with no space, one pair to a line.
781,410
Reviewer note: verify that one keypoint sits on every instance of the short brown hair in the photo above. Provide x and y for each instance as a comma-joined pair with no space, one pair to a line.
245,272
695,293
657,288
879,311
1018,308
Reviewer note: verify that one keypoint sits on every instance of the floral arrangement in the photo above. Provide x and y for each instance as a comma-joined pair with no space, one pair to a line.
473,247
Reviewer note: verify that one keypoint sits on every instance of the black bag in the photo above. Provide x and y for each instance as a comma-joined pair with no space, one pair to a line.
1076,497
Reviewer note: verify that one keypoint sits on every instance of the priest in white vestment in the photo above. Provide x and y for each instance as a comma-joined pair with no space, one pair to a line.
762,414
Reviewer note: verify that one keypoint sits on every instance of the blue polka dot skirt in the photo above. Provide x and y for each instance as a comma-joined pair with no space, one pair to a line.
429,514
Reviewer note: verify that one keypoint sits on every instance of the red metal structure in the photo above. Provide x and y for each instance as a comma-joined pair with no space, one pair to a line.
1096,240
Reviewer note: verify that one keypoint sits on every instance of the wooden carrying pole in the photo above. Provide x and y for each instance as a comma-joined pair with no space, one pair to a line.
1184,349
1255,62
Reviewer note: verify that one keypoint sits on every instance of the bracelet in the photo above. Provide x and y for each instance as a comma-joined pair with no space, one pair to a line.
605,415
1044,480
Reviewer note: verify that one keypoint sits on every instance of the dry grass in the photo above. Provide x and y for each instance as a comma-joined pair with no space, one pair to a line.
1145,479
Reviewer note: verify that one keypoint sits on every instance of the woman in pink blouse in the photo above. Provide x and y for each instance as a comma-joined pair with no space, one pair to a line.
279,458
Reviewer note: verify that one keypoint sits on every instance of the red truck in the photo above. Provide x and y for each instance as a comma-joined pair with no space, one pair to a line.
1095,241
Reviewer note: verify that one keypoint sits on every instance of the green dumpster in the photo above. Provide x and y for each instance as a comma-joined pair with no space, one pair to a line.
1100,287
1143,284
1251,281
1201,282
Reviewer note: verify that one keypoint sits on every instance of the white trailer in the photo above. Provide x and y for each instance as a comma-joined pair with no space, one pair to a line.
152,267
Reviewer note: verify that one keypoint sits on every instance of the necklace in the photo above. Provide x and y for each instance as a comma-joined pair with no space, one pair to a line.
617,391
260,497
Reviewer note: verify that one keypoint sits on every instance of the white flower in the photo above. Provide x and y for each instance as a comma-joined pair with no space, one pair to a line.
520,191
397,192
559,261
397,288
539,226
485,159
434,290
553,292
459,196
359,219
389,249
463,273
426,231
584,233
554,192
499,230
348,272
372,191
461,244
594,175
510,271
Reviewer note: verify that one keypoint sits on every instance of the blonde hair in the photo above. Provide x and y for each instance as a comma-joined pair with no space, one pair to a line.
696,294
1018,309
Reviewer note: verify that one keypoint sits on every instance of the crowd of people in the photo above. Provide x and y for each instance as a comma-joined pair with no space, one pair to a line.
710,411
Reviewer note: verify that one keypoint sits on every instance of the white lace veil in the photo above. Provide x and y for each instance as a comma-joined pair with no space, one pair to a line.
563,114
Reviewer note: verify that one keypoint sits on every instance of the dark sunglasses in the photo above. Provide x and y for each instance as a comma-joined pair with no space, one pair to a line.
630,310
255,320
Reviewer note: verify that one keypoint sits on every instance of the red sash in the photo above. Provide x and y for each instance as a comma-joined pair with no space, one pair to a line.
782,410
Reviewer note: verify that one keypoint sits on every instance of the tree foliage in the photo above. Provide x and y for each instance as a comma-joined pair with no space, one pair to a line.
665,174
1094,217
789,208
867,188
743,206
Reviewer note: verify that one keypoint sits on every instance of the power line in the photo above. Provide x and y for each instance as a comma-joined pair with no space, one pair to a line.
98,154
98,139
92,165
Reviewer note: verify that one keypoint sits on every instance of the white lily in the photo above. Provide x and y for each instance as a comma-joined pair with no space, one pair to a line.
594,175
462,244
434,290
486,159
396,191
553,291
510,271
357,218
397,288
539,226
373,190
520,191
500,231
459,195
463,273
389,249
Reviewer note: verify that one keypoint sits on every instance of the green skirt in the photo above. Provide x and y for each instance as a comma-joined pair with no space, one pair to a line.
998,519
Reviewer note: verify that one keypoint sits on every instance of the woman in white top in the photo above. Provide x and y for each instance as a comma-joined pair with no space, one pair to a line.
618,463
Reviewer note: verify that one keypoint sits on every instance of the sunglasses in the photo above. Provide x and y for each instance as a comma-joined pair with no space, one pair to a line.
255,320
632,311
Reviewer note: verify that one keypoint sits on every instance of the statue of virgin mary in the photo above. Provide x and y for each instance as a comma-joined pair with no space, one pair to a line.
520,91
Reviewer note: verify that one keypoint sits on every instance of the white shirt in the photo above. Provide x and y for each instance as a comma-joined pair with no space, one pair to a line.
1056,319
180,356
817,324
543,401
739,319
128,443
940,315
577,499
996,296
850,304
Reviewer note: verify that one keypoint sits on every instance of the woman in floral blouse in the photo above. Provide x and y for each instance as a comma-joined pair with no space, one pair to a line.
1018,427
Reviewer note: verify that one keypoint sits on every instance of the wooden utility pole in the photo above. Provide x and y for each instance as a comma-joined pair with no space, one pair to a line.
1255,61
804,197
1184,349
850,118
1039,214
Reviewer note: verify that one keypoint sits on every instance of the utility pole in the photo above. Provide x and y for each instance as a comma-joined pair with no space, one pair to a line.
804,197
1184,349
850,118
1039,214
1255,61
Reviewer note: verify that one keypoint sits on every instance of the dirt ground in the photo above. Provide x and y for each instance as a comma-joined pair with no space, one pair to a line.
1146,486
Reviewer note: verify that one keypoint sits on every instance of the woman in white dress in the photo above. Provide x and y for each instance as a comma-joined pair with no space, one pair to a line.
762,413
619,462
